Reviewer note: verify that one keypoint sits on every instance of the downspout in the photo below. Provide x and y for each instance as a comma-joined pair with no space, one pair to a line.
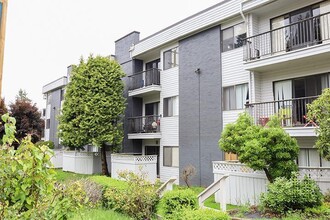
241,11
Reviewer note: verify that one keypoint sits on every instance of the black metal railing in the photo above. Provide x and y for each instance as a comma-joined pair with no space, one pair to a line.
144,124
292,112
144,78
294,36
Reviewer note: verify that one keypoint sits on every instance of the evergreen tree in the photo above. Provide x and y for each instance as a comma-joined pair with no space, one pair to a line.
93,106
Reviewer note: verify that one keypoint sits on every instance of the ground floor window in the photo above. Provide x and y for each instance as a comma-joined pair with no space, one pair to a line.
171,156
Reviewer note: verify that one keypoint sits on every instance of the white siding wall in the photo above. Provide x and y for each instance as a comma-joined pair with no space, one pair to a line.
48,109
233,73
230,116
169,125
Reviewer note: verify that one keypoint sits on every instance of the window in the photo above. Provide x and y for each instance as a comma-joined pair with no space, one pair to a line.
171,156
235,97
47,123
49,98
171,106
171,58
233,37
303,28
62,95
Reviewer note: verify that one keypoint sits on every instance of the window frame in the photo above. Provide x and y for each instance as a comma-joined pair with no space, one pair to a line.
233,39
174,56
171,106
170,148
48,123
233,101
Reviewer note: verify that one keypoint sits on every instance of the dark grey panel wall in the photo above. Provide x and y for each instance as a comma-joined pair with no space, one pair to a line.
200,120
54,112
129,66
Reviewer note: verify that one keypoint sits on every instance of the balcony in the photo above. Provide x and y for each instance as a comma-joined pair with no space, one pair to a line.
145,82
292,113
304,41
144,127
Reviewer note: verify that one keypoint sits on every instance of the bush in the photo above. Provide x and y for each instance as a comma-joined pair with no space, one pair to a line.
49,144
28,184
203,214
327,196
137,199
288,195
175,201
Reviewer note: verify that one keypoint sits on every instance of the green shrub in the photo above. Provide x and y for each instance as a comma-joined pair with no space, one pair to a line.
49,144
28,185
287,195
177,200
327,196
203,214
137,199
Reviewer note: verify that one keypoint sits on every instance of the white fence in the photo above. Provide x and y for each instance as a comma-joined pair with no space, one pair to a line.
135,163
244,185
83,162
57,159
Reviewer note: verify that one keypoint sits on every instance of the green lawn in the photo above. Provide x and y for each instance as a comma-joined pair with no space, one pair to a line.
99,214
63,176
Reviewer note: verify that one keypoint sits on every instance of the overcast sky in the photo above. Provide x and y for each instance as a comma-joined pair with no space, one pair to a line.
43,37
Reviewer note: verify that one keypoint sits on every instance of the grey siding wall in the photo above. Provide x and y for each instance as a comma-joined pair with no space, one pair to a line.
54,112
129,66
200,121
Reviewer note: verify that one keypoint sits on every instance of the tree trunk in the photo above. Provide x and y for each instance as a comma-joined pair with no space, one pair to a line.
105,170
269,177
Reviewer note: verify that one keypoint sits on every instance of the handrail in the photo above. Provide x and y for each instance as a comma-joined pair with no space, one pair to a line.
285,26
213,188
143,71
284,100
166,186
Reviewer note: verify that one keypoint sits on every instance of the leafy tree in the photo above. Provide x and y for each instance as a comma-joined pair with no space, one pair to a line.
28,118
93,106
319,111
267,148
22,96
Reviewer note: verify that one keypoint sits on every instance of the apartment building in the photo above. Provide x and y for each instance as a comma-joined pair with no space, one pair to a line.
53,92
186,82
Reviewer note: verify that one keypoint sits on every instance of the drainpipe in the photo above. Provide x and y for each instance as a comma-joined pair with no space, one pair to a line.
241,11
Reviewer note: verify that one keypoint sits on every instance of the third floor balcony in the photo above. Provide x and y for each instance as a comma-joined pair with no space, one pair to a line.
145,82
306,40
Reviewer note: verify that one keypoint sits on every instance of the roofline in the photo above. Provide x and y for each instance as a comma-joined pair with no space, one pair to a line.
137,32
185,19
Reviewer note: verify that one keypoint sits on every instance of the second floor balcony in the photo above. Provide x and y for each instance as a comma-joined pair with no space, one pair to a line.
305,39
291,112
144,127
145,82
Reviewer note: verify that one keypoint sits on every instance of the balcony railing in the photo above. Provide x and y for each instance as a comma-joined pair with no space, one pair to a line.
144,124
292,112
308,32
144,78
